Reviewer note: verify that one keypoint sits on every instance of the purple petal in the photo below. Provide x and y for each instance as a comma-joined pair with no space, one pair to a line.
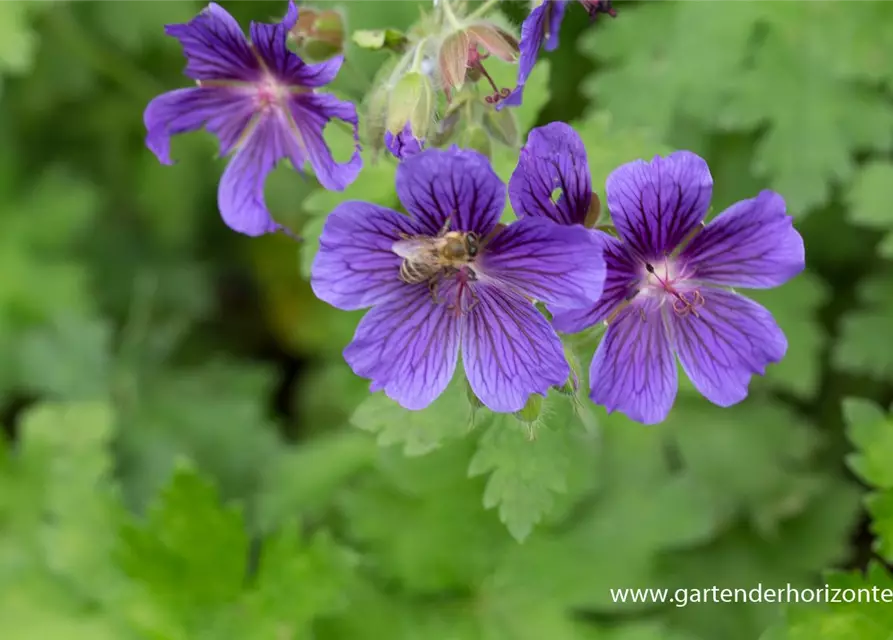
404,144
270,41
509,350
655,205
240,195
621,283
634,370
215,47
752,244
539,30
548,262
553,161
310,113
407,346
225,112
454,185
555,18
729,340
533,35
355,266
514,99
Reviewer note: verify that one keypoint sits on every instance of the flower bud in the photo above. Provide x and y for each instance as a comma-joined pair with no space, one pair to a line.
502,126
474,137
532,410
412,101
318,34
404,144
462,52
376,40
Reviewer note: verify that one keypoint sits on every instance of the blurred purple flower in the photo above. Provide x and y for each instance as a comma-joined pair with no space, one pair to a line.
540,30
258,98
409,343
404,144
668,276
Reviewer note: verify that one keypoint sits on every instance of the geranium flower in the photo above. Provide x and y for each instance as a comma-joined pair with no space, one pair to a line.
667,286
409,343
259,99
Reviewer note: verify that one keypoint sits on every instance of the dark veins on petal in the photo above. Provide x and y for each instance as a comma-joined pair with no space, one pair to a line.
725,338
407,331
534,258
655,236
455,185
213,48
638,373
519,341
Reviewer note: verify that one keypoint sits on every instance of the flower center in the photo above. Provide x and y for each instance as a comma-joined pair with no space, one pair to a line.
269,94
664,280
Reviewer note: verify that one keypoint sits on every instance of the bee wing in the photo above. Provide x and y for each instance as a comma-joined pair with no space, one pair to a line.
413,248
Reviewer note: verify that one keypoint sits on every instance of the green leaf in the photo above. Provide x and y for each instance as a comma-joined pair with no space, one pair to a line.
745,53
865,345
308,477
870,195
215,415
795,307
528,465
751,458
189,554
684,75
794,555
41,277
418,432
862,620
70,358
871,432
296,582
58,509
842,119
445,540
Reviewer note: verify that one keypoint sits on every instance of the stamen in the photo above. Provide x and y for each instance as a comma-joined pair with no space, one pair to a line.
474,62
681,305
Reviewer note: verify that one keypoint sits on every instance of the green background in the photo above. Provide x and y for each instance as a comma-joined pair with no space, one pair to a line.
188,456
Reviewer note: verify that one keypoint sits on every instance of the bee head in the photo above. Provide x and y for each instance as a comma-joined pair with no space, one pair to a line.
472,245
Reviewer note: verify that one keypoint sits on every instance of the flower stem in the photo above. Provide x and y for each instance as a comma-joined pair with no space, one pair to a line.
450,16
483,9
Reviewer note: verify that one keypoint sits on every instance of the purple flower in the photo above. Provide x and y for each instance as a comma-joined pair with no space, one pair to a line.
668,281
258,98
540,30
482,304
404,144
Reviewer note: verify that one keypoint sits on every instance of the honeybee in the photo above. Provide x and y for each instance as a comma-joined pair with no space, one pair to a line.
425,258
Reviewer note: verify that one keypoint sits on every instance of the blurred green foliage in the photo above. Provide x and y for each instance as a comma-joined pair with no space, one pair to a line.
188,456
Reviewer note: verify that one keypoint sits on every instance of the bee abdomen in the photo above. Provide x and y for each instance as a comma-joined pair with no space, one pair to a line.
414,272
